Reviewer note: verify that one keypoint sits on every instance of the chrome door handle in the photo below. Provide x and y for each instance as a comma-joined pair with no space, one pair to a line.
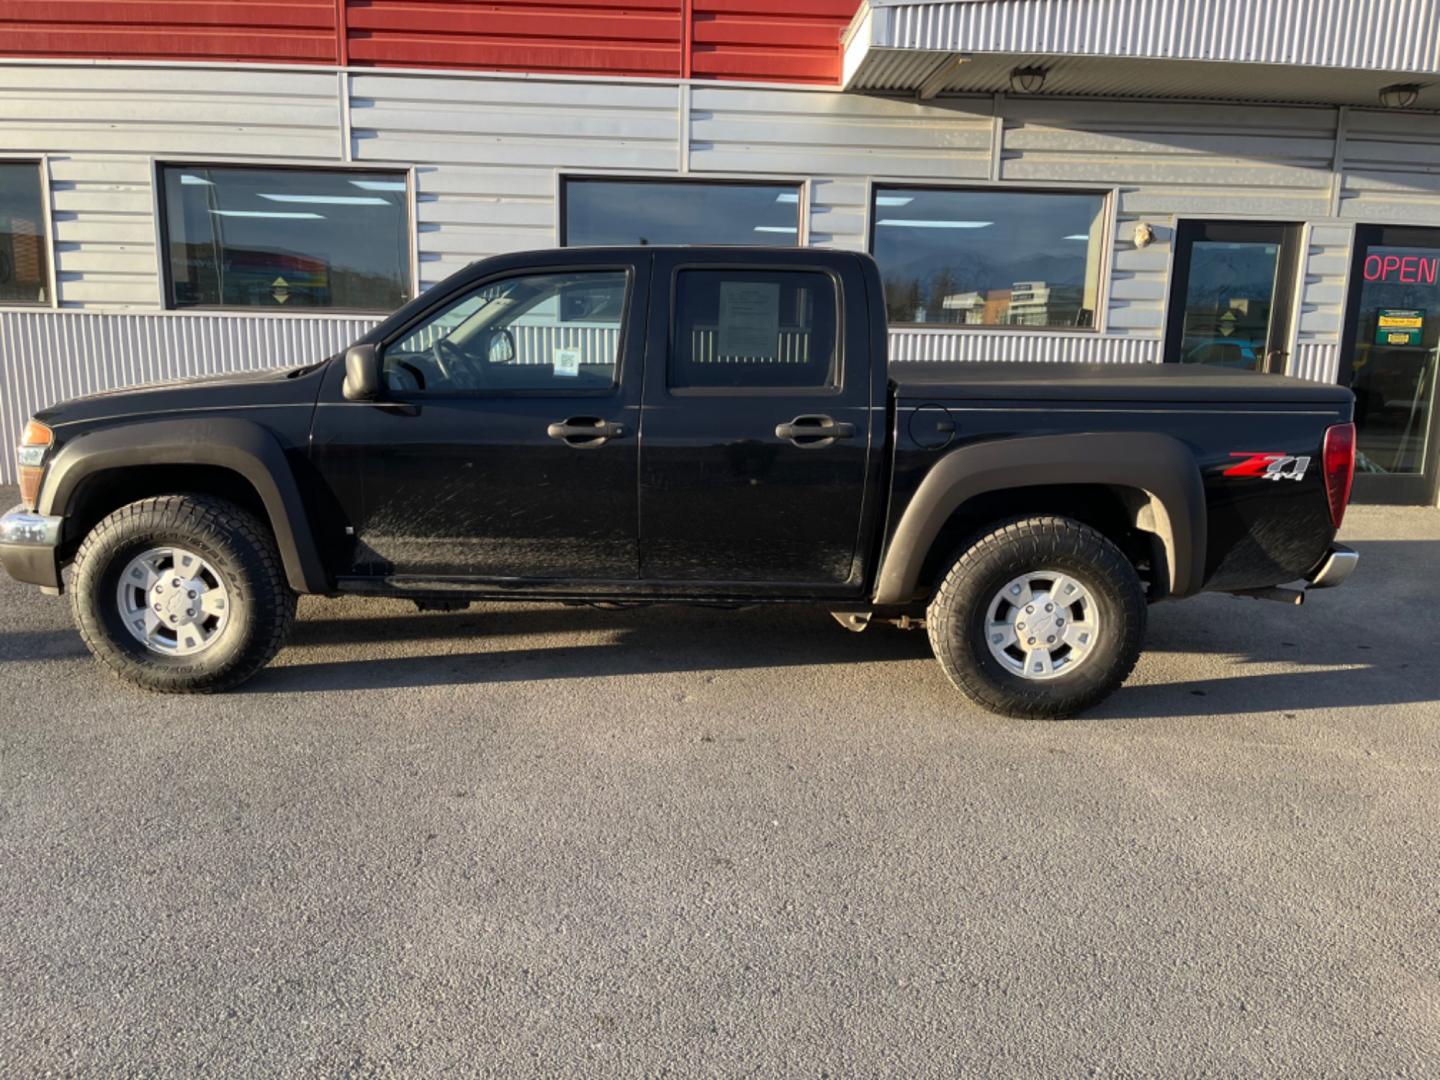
585,432
814,432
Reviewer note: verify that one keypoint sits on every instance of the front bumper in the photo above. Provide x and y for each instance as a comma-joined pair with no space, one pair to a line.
29,546
1337,565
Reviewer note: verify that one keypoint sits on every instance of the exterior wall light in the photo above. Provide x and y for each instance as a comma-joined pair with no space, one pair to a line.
1399,95
1027,80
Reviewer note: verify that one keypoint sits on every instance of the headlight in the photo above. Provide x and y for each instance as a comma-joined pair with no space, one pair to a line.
34,445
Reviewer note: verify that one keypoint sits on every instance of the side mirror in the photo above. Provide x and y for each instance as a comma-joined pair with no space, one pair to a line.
501,348
362,373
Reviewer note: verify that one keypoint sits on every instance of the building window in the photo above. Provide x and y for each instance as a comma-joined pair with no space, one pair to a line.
600,212
989,258
286,238
24,278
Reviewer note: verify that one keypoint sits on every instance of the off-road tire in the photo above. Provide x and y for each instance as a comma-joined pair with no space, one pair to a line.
957,615
262,605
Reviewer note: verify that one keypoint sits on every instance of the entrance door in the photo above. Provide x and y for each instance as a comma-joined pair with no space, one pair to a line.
756,440
1232,292
1389,358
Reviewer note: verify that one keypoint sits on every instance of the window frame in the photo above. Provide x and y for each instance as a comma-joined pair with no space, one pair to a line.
159,165
802,185
1105,271
837,384
47,231
622,341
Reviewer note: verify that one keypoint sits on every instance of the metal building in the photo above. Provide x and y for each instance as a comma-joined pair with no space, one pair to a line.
1247,182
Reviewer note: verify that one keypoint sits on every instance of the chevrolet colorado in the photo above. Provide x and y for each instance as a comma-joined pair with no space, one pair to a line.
700,425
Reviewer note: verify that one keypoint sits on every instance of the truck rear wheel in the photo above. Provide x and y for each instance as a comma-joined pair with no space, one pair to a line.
1041,617
181,594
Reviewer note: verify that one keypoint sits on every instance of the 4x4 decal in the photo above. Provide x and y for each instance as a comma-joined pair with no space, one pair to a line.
1272,465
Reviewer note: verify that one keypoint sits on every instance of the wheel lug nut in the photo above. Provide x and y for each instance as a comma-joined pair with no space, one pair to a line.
1051,639
190,614
1030,611
173,619
1030,641
191,594
176,583
1048,607
1019,626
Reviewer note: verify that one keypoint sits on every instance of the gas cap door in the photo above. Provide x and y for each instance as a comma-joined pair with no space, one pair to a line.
931,427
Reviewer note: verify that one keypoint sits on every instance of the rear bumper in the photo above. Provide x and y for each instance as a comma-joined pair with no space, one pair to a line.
29,547
1337,565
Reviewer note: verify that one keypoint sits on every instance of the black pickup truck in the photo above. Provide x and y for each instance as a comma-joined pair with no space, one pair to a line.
698,425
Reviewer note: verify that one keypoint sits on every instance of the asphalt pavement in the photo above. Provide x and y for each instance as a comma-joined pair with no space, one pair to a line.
540,840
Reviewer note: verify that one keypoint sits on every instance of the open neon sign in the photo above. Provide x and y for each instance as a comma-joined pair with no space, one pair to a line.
1406,269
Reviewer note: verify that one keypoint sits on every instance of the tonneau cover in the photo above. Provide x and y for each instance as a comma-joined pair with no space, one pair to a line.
1188,383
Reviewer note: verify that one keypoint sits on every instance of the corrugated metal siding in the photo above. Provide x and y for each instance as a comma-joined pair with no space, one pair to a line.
101,124
52,356
581,37
1388,35
930,344
1316,361
300,31
797,41
1392,167
487,151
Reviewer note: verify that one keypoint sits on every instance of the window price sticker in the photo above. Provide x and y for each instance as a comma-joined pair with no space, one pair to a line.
567,362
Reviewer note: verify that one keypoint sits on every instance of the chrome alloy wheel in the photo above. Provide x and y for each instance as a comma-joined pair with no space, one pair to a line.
1042,624
172,601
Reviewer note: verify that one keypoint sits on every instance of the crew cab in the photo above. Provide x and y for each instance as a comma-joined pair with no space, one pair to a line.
682,425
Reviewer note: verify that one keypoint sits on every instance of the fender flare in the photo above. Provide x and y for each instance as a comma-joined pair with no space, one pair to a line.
240,446
1159,466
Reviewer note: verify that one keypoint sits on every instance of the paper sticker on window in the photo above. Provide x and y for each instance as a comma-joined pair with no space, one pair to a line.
749,319
567,362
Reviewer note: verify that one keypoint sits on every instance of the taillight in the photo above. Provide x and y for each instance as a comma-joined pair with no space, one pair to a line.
31,459
1339,459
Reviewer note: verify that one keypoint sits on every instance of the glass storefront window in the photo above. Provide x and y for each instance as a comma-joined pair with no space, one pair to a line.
603,212
24,278
989,258
1393,369
286,238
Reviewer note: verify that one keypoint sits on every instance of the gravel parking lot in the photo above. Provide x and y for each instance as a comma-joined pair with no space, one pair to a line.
530,840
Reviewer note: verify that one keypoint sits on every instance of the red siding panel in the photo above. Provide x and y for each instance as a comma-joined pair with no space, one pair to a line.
765,40
793,41
578,37
297,31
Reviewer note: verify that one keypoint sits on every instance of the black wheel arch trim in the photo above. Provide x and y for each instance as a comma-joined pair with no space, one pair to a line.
1159,466
239,446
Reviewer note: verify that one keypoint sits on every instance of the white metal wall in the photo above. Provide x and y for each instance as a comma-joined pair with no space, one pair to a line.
487,153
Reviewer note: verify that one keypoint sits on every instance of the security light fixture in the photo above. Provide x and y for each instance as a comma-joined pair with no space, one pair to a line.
1027,80
1399,95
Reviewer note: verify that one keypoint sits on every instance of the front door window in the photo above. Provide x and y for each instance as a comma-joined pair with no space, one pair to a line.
1230,301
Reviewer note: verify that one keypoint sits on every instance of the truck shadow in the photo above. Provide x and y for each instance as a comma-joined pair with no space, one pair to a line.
1339,650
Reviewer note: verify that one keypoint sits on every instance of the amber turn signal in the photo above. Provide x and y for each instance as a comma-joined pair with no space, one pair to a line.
31,454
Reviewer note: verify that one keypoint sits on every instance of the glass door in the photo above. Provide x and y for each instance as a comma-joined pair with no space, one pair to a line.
1231,294
1388,358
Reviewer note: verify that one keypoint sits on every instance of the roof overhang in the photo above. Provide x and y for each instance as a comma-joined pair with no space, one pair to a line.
1314,51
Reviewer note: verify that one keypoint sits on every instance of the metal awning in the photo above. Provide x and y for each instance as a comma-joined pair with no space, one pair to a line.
1334,51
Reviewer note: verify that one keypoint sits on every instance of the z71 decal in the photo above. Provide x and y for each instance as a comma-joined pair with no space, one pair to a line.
1269,466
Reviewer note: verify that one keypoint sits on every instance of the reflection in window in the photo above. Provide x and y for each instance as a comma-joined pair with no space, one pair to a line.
753,328
23,275
286,238
622,212
1394,367
989,258
538,332
1229,302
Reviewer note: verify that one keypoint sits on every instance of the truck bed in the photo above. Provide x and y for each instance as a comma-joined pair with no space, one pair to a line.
1190,383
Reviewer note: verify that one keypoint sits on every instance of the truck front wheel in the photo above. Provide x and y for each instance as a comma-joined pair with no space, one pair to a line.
181,594
1041,617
